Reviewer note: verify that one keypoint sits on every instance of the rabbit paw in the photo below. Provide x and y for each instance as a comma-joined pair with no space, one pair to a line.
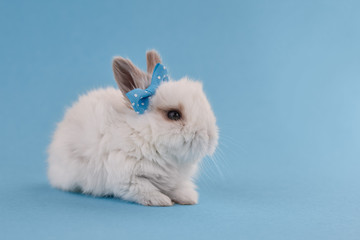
155,199
186,196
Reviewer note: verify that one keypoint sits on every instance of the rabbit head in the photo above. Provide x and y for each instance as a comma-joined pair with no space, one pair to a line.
182,123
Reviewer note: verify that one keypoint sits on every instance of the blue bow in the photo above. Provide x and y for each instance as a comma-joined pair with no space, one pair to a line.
140,98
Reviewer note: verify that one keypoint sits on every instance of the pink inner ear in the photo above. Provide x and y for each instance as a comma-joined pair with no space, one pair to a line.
122,74
128,76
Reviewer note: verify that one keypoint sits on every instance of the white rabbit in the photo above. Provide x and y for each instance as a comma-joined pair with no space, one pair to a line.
103,147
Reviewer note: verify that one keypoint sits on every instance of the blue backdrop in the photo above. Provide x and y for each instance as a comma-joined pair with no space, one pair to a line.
284,81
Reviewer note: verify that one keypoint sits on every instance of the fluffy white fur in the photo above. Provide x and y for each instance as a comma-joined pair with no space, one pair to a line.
102,147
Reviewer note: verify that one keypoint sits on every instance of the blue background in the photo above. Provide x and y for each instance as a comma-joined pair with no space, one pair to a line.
284,81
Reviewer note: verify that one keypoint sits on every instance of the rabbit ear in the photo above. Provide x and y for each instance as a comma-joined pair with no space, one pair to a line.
128,76
152,58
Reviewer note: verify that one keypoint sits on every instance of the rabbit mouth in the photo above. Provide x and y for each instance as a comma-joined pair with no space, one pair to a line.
186,146
196,145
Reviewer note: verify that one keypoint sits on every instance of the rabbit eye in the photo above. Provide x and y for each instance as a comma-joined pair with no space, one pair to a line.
174,115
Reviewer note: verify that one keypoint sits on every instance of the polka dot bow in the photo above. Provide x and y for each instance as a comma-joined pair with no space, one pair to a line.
140,98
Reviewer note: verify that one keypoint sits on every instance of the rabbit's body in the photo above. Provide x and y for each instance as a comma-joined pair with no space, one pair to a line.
102,147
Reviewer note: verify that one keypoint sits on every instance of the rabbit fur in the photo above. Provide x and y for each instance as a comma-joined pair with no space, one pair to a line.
102,147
